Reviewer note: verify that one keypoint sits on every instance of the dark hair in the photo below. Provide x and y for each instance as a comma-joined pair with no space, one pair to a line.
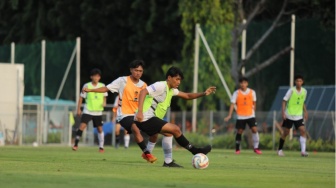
137,63
298,76
242,79
95,71
173,72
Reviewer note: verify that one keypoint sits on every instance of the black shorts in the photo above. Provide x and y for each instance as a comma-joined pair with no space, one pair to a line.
289,123
241,123
126,123
151,126
97,120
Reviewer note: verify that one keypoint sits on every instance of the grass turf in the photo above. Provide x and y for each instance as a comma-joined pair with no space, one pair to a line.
61,167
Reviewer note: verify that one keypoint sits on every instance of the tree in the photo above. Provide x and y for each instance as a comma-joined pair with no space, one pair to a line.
215,18
113,33
241,13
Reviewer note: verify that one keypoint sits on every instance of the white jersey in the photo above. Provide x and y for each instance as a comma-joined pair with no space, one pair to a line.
118,86
234,101
287,97
158,91
84,94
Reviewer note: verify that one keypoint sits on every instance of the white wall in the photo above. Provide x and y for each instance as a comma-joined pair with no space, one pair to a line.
11,96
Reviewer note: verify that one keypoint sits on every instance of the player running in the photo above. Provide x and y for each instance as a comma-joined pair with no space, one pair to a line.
154,101
293,108
129,88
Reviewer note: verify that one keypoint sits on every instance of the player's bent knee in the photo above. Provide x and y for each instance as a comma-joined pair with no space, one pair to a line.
177,131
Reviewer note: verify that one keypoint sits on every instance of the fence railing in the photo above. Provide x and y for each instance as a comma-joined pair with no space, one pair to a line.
60,123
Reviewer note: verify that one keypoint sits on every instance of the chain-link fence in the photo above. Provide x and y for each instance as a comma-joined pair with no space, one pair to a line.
60,123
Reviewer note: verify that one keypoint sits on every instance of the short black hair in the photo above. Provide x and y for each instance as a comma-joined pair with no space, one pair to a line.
173,72
95,71
298,76
137,63
242,79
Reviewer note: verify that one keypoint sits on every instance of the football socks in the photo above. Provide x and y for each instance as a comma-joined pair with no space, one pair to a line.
281,143
78,136
255,138
167,146
238,140
150,146
303,144
101,139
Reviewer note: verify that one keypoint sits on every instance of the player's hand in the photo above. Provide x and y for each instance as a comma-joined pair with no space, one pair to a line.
79,112
284,116
305,116
227,118
85,90
211,89
139,117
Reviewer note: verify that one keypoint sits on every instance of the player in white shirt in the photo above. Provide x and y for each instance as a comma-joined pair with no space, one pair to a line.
153,104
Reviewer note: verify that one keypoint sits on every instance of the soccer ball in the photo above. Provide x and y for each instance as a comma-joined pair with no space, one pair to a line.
35,144
200,161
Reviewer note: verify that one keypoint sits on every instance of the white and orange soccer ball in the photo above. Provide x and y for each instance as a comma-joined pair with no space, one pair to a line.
200,161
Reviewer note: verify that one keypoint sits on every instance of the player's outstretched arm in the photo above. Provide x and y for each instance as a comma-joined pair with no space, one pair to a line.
189,96
97,90
227,118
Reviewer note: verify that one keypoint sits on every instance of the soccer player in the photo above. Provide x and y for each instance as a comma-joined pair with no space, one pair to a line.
118,126
129,88
154,101
245,100
293,108
93,109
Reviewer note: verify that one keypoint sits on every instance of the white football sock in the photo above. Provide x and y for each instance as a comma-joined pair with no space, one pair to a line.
101,139
255,138
303,144
167,146
150,146
126,140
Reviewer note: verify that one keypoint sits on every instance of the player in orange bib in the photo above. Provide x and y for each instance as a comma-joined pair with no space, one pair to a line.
128,88
245,101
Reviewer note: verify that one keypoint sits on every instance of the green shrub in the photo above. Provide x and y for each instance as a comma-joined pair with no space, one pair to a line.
227,141
197,139
28,139
54,137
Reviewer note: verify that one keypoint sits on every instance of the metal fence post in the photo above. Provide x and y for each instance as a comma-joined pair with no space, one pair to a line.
273,130
184,116
211,126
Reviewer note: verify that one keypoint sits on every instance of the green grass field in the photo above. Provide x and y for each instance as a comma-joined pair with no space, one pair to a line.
62,167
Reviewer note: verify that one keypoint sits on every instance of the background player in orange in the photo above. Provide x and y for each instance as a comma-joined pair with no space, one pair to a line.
245,100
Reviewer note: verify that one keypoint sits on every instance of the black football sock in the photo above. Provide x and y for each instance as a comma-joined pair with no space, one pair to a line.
143,147
182,141
117,140
281,143
238,140
78,136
